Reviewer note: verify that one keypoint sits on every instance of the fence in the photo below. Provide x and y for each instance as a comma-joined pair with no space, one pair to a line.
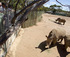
33,18
60,13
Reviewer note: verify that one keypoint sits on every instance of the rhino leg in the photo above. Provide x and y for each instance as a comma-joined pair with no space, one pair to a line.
63,23
48,43
66,46
60,40
54,41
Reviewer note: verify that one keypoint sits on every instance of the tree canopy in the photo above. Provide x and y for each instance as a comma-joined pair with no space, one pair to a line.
24,7
55,8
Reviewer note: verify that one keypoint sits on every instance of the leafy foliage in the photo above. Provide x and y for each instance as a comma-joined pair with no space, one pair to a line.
43,9
55,8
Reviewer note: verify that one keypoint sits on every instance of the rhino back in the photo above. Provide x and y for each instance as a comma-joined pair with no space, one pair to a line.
59,32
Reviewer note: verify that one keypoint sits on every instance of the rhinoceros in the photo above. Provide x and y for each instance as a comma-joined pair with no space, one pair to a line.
54,36
60,20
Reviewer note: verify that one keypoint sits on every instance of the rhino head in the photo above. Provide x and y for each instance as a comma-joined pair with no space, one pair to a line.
49,40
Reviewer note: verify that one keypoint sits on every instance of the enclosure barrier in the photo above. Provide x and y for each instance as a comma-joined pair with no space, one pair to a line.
33,18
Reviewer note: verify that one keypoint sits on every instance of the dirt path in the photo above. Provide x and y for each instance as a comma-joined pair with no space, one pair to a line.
26,43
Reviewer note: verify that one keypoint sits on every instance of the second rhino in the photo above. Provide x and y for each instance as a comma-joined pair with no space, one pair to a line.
54,36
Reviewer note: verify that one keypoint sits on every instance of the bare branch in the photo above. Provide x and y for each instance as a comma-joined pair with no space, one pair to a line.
60,3
64,5
35,6
8,32
28,6
16,7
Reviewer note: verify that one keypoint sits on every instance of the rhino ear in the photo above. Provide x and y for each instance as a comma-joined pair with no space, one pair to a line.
46,36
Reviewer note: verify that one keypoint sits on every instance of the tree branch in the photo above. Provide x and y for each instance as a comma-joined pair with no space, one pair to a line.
35,6
60,3
31,4
8,32
16,7
64,5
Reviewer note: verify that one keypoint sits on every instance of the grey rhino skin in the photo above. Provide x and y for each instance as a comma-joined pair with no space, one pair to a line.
54,36
61,20
67,41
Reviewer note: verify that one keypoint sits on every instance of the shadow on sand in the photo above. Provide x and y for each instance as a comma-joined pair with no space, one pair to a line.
55,22
42,46
60,48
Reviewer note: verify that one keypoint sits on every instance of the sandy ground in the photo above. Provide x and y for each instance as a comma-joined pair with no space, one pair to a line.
31,41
